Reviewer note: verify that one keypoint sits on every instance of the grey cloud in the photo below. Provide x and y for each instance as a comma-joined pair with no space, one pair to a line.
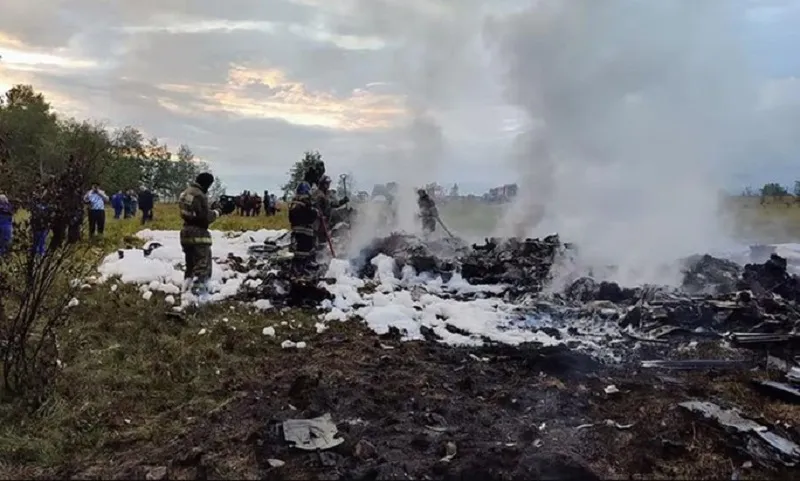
435,56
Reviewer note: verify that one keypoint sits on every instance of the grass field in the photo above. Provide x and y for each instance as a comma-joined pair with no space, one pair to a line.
133,375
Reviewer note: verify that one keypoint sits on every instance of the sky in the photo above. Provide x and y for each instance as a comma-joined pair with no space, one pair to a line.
382,88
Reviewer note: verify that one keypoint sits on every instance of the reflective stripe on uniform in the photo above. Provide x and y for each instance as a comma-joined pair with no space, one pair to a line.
303,230
196,240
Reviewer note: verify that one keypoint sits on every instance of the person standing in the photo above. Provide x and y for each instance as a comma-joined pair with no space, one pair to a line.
134,202
118,204
427,211
195,237
303,218
96,199
6,224
273,204
127,205
146,205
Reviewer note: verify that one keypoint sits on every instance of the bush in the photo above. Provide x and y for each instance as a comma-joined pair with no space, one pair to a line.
36,279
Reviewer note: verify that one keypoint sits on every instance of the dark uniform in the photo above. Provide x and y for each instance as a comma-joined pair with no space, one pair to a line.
325,204
197,216
427,211
303,218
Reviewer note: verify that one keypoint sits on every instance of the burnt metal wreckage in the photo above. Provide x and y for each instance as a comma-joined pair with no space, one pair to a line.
751,313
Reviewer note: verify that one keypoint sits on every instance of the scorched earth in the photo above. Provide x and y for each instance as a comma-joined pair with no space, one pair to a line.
439,359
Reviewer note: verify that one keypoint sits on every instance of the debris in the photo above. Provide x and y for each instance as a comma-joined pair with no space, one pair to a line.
617,425
73,302
275,463
783,449
312,434
268,331
780,390
365,450
696,364
450,452
612,389
202,332
156,473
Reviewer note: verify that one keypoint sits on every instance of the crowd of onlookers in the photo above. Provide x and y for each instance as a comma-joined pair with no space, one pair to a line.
249,204
124,204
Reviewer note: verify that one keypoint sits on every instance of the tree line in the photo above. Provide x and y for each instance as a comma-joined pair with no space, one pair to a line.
37,144
773,190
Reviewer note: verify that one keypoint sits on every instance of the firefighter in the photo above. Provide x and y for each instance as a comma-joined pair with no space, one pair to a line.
427,211
303,217
325,204
195,237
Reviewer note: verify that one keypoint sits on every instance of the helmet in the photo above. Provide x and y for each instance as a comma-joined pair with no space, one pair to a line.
303,189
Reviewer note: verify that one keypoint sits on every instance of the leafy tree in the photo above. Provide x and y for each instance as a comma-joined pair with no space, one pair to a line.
454,191
298,170
773,189
217,189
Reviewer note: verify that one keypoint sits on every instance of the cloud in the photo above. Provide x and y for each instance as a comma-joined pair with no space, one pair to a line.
384,88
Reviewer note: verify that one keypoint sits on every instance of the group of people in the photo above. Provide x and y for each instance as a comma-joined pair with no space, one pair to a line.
125,204
310,214
251,205
48,220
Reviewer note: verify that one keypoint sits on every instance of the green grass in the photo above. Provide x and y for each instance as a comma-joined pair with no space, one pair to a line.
120,232
134,375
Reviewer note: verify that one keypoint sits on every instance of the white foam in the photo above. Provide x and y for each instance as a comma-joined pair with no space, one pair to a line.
409,303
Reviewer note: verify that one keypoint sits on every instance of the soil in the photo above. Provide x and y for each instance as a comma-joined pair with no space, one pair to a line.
510,413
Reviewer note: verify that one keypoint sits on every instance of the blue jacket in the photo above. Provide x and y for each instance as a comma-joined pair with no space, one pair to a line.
6,214
116,201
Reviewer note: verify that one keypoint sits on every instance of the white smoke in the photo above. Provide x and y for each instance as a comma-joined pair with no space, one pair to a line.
635,106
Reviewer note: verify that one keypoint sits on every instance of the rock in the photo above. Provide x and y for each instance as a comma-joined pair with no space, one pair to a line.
365,450
156,473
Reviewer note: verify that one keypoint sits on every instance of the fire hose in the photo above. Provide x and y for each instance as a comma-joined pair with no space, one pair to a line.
327,232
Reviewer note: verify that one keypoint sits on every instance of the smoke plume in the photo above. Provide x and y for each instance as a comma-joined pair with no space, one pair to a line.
634,107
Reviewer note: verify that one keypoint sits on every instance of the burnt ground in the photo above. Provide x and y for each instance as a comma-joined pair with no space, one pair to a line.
510,413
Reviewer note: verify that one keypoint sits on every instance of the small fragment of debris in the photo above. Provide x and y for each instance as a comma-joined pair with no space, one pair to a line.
268,331
450,452
275,463
365,450
147,295
73,302
170,300
612,389
614,424
312,434
202,332
779,390
156,474
696,364
782,448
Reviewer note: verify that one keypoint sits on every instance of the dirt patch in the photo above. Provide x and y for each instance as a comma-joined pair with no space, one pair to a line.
403,407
